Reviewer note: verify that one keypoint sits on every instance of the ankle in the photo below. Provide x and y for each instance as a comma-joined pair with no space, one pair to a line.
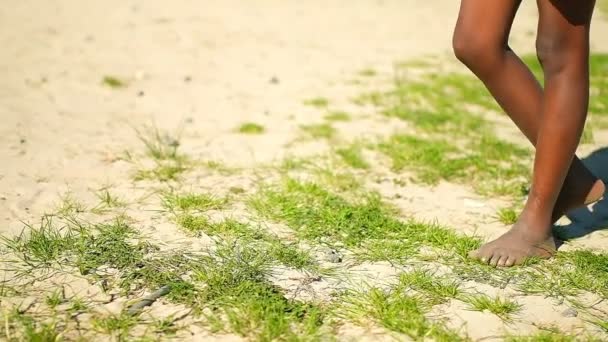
536,217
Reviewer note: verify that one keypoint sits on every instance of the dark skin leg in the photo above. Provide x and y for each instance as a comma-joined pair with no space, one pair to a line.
561,182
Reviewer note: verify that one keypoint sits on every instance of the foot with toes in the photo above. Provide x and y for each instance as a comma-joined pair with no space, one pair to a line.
531,236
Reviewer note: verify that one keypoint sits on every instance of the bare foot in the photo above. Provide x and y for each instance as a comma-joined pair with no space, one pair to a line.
522,242
517,245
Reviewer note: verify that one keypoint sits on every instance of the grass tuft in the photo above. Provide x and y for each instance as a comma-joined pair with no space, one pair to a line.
107,201
319,102
70,206
285,253
544,336
108,244
162,172
437,290
113,82
397,312
503,308
368,72
54,299
236,286
40,246
251,128
507,216
25,328
115,324
319,131
193,201
160,146
337,116
353,156
78,305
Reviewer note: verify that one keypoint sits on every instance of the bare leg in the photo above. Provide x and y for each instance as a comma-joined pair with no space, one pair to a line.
487,54
563,49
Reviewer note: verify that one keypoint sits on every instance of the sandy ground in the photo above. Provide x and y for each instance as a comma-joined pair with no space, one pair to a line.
205,67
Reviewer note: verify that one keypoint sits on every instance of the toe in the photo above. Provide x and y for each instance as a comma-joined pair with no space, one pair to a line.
510,262
485,259
520,259
494,259
474,254
502,262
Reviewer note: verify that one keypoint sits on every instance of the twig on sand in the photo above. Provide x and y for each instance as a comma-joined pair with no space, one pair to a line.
136,308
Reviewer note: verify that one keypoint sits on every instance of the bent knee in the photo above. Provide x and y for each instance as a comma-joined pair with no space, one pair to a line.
478,53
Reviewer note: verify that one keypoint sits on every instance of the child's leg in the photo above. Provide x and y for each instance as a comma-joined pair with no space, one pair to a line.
563,49
486,52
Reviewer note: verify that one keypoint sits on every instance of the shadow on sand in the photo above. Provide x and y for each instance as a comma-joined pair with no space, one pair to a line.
585,221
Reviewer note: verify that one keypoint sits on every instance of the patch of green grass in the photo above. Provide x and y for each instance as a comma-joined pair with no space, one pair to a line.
374,98
543,282
237,289
108,244
78,244
319,102
291,255
584,270
107,201
352,156
236,190
225,228
319,131
230,280
337,116
193,201
165,326
601,323
294,163
218,166
489,165
7,290
367,72
113,82
569,274
335,179
317,214
418,63
507,216
251,128
543,336
397,312
501,307
115,324
70,206
391,250
78,305
54,299
437,290
163,172
165,269
159,145
23,327
287,254
436,103
40,246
